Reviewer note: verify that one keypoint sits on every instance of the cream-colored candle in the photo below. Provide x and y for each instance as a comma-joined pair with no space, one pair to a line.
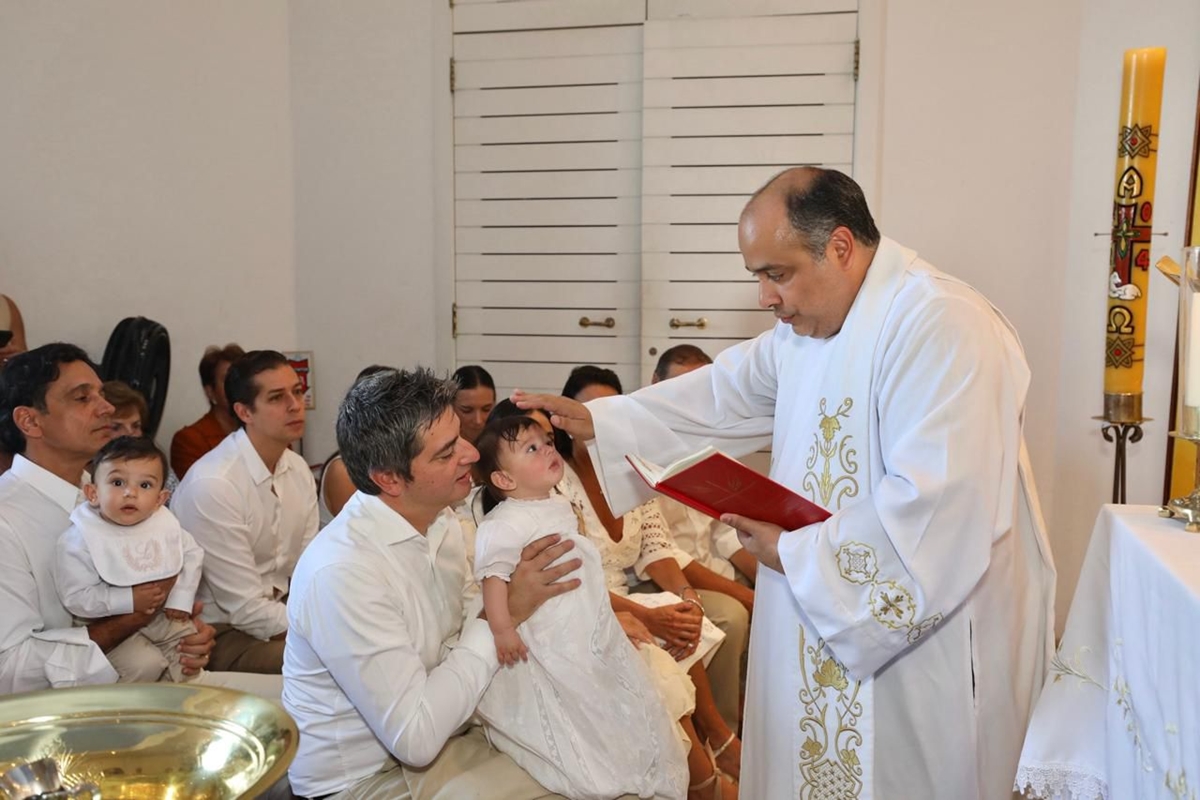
1191,389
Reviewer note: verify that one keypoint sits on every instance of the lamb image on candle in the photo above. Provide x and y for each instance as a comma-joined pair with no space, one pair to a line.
1117,291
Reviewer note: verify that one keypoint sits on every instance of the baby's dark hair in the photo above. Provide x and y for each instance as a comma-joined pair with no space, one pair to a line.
129,448
495,435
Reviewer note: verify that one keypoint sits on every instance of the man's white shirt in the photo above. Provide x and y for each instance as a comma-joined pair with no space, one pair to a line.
709,541
253,524
378,657
39,648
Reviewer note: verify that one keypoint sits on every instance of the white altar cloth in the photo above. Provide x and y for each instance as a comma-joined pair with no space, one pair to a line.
1119,716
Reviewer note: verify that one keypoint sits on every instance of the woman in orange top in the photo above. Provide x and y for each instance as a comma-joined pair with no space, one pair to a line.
193,441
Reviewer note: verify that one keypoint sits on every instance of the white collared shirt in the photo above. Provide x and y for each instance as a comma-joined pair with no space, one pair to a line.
253,525
709,541
39,648
378,656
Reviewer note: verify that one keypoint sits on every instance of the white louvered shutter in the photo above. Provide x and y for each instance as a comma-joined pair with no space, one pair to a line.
603,152
728,101
547,120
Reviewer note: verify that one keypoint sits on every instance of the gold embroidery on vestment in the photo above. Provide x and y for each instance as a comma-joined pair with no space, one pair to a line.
829,765
891,604
832,452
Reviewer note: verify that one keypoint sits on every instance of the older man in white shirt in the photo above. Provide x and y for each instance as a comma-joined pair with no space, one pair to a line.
54,417
385,660
251,503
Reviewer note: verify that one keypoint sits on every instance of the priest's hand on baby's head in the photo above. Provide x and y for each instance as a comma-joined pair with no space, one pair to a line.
566,414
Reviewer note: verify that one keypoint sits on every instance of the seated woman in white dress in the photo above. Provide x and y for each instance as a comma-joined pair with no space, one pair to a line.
574,706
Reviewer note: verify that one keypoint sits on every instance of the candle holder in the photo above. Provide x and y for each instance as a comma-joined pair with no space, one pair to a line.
1187,410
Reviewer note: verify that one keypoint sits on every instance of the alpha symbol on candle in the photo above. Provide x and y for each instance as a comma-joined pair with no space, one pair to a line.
1135,141
1130,184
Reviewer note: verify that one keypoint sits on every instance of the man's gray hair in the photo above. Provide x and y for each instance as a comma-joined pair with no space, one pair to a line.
382,422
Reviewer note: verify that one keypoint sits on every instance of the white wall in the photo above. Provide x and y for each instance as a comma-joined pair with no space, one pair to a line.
145,168
974,169
1084,461
998,150
367,149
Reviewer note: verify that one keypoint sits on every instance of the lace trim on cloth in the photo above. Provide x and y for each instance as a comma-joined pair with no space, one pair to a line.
1059,782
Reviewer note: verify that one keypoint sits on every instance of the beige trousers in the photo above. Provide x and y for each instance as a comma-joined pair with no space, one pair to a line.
234,651
468,768
150,655
725,671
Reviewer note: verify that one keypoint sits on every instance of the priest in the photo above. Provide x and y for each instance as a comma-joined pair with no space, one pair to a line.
897,648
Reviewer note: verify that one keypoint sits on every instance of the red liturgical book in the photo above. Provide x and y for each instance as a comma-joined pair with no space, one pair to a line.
712,482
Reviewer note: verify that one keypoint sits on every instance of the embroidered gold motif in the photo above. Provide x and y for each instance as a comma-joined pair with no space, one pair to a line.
891,604
1061,667
829,764
1178,786
832,452
856,563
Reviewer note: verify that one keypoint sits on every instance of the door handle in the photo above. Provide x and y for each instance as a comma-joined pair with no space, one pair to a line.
701,323
607,322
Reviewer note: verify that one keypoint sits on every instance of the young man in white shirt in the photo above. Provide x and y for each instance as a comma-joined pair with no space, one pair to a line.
251,503
386,660
54,418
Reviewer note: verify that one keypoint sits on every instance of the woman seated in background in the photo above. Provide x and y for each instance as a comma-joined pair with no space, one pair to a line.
474,400
335,486
193,441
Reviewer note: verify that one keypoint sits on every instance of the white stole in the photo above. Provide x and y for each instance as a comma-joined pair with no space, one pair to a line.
828,413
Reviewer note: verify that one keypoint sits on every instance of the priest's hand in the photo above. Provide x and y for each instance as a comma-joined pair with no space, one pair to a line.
565,413
760,539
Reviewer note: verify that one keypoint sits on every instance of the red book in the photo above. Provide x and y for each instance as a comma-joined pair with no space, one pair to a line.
712,482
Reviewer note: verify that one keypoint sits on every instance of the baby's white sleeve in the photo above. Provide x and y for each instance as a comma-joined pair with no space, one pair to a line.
80,588
498,547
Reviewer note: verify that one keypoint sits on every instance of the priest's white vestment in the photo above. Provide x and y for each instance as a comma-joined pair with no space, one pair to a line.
900,653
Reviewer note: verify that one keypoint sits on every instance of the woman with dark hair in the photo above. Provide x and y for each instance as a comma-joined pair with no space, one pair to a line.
587,382
193,441
474,400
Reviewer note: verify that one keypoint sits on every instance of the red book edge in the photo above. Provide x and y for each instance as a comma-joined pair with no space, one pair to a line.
674,494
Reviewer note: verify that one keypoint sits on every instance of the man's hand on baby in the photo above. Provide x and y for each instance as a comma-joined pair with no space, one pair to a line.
148,597
510,649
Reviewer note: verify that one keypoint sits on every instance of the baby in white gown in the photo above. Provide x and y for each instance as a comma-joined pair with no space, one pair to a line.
573,704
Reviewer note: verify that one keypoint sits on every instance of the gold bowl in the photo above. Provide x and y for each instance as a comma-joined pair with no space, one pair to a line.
152,741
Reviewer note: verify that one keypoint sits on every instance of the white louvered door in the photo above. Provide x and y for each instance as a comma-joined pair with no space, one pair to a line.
728,100
548,108
603,152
